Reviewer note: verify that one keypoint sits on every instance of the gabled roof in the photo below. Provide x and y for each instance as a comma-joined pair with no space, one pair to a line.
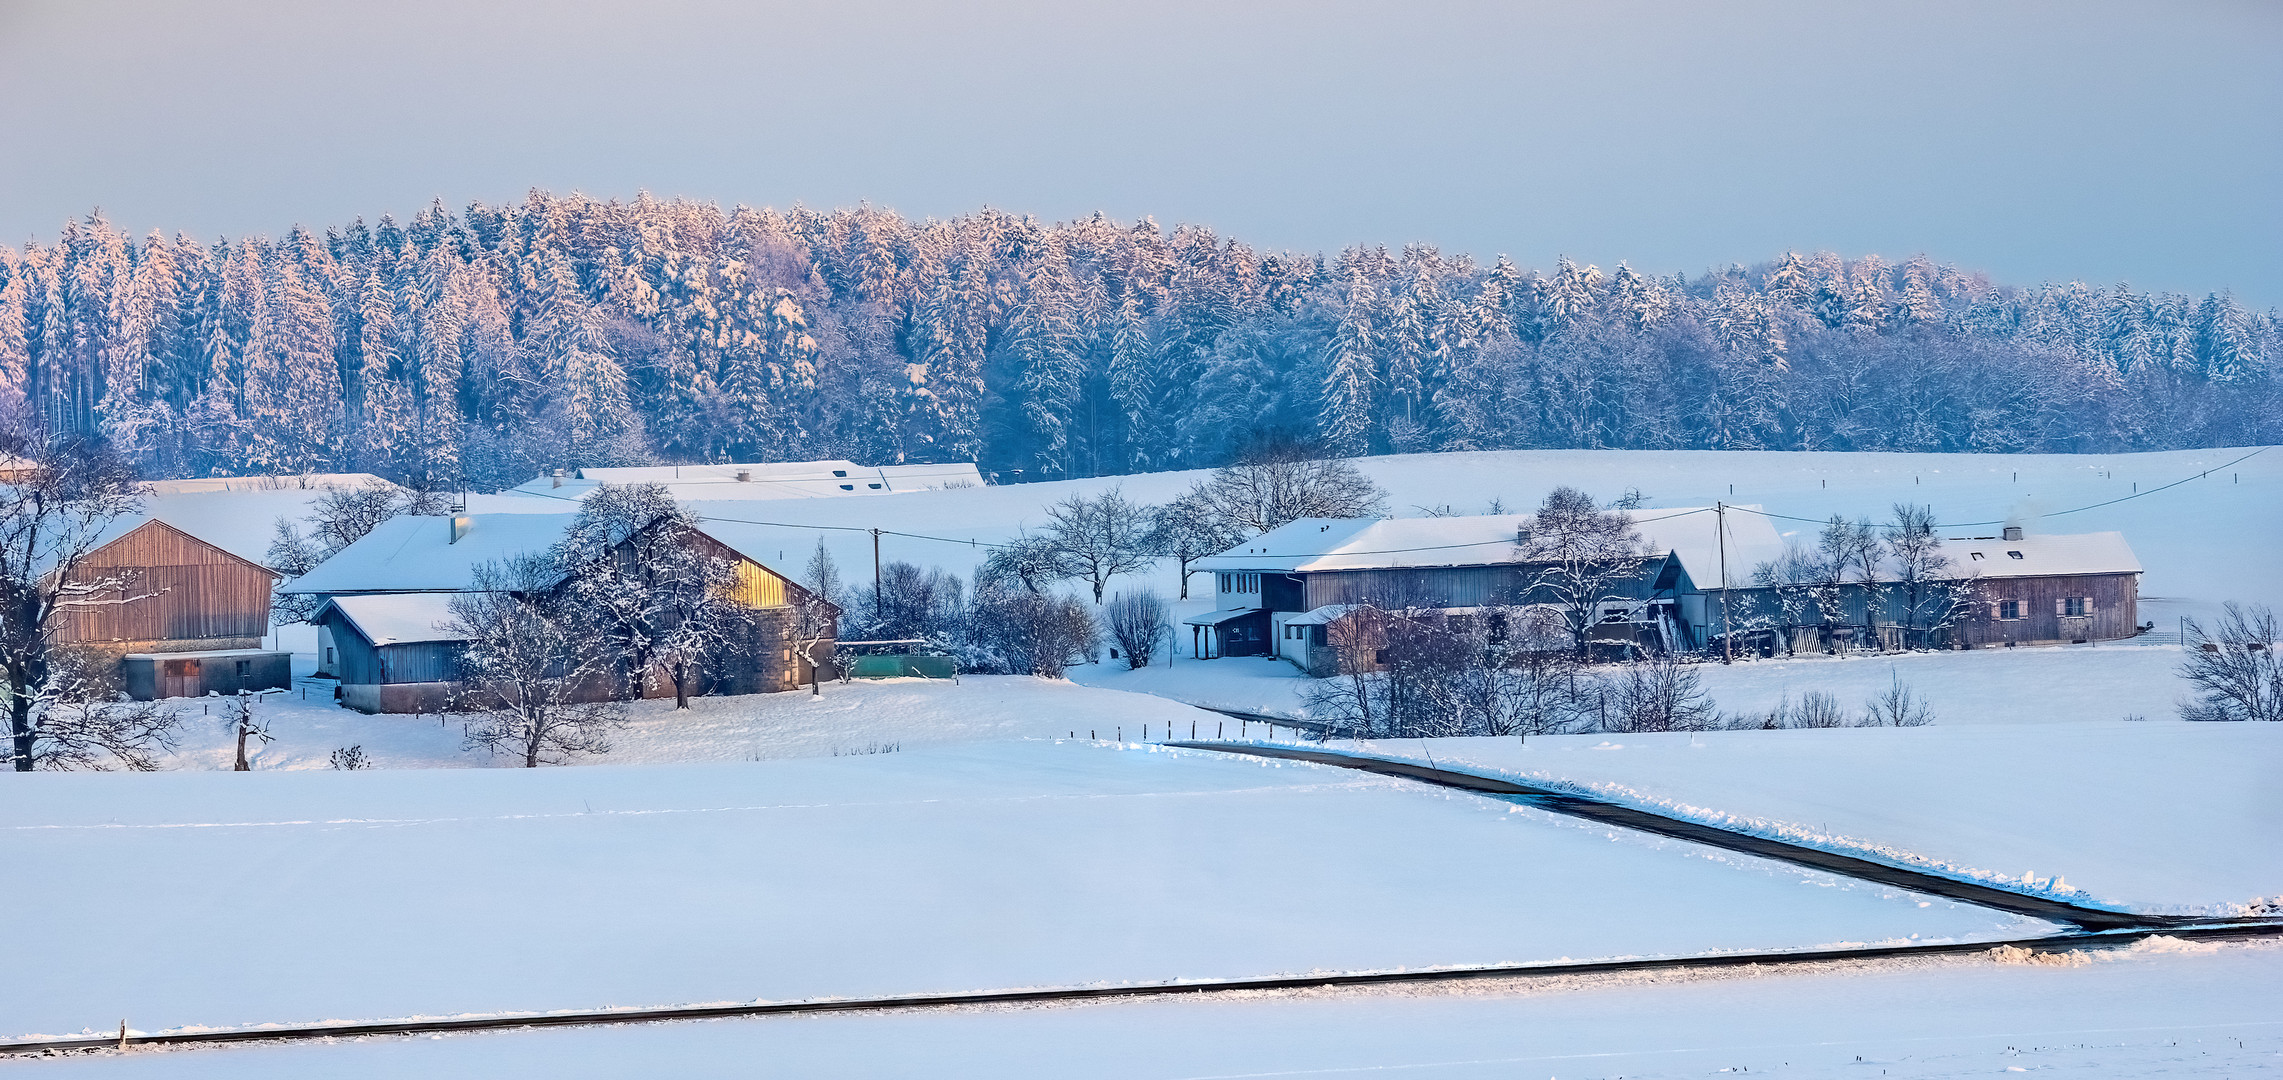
396,618
1320,544
2041,556
416,554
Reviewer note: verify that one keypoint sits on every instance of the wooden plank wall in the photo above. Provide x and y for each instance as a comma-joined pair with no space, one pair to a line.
185,589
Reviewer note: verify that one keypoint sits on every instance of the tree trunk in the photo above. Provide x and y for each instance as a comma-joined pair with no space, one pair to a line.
242,766
681,687
531,745
20,728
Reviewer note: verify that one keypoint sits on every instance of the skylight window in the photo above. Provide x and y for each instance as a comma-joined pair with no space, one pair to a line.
2013,554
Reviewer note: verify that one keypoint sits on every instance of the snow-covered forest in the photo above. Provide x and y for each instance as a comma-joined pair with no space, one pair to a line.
473,349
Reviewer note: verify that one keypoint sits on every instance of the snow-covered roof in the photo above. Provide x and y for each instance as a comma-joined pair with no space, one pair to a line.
765,480
1320,544
764,544
416,554
1216,618
2041,555
398,618
1323,616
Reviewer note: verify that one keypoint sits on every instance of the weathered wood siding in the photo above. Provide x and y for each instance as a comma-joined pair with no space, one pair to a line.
183,589
358,661
2112,611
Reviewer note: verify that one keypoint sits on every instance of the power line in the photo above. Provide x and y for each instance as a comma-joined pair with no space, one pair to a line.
2058,513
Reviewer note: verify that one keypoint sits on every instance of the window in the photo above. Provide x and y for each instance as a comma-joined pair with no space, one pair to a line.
839,472
245,670
2013,554
2075,607
1240,583
847,487
328,656
1977,556
874,487
2009,609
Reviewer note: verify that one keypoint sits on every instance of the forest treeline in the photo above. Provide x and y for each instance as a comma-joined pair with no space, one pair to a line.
476,348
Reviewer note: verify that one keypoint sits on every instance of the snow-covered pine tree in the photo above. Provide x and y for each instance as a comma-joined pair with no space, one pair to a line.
1351,382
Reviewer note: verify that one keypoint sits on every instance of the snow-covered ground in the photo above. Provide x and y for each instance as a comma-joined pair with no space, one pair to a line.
845,719
223,899
2158,1010
2162,815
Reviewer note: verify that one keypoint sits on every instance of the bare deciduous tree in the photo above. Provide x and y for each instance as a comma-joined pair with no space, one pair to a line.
1034,633
639,570
1138,622
816,614
529,661
2233,667
53,513
1100,537
1189,529
1582,553
1659,693
82,720
1034,562
1273,489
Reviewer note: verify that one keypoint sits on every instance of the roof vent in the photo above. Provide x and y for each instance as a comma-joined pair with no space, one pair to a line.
744,476
558,476
461,523
2013,532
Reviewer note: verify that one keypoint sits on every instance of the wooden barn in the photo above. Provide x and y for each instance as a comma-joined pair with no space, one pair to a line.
185,616
2046,590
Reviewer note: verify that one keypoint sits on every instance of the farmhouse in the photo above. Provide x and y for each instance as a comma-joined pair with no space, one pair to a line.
183,616
2046,590
388,598
1276,594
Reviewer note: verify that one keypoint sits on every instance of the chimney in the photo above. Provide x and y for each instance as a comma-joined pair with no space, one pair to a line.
744,476
2013,532
461,523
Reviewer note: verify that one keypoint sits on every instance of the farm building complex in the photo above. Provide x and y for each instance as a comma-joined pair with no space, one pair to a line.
1690,586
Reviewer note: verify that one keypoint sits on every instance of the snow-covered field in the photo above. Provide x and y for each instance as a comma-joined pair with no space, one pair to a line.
2163,816
845,719
2157,1010
224,899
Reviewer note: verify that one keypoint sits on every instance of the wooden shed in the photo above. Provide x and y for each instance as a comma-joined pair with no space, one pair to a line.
389,651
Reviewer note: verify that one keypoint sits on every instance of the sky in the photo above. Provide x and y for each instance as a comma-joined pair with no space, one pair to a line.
2088,140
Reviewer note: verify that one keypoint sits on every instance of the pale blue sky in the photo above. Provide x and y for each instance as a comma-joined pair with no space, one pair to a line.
2036,141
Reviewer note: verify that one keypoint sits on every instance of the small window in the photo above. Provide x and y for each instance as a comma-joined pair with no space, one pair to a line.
2076,607
2013,554
1977,556
847,487
245,669
2009,609
874,487
328,656
839,472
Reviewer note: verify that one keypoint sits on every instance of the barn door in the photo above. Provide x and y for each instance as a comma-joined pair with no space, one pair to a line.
181,678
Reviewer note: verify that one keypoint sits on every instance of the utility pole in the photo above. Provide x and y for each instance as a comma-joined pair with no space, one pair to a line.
876,616
1727,634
